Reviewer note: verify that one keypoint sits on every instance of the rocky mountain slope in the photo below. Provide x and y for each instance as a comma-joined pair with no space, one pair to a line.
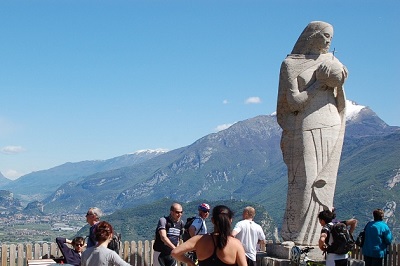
3,180
40,184
244,162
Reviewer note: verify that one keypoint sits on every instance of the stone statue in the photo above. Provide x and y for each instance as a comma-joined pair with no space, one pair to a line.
311,112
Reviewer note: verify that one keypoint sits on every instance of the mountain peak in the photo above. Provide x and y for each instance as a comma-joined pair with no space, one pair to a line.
4,180
352,109
150,151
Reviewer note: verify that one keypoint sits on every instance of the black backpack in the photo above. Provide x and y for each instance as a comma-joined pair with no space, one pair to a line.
189,221
342,240
115,243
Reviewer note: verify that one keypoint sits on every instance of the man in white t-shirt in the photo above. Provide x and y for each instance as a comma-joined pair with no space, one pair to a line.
250,234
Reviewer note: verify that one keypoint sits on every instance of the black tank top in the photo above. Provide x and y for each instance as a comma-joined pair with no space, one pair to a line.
213,260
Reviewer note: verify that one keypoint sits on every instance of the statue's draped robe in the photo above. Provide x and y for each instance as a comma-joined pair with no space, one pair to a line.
312,138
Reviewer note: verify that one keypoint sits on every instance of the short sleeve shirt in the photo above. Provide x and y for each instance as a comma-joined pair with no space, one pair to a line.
200,226
249,233
173,231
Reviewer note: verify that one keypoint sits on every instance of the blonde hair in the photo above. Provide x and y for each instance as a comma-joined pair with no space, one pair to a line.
250,211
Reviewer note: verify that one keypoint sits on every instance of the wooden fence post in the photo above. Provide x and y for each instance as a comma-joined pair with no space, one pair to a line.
36,251
146,253
133,260
28,252
4,255
13,254
21,254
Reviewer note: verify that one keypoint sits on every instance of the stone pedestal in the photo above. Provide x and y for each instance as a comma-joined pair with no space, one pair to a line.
282,251
279,255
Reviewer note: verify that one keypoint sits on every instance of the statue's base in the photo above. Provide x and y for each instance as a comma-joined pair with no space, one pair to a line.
278,254
279,250
282,251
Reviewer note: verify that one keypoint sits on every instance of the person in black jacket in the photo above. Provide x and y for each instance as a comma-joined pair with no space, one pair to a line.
71,255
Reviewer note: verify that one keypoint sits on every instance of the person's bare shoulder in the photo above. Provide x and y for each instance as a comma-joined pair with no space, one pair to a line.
235,241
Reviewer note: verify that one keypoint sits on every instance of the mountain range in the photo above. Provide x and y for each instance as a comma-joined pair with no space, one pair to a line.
243,162
30,187
4,180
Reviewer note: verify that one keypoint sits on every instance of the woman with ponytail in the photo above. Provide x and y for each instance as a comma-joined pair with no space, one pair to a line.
100,255
219,248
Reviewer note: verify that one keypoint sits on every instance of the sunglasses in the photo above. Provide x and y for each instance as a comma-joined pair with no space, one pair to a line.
178,212
205,211
79,245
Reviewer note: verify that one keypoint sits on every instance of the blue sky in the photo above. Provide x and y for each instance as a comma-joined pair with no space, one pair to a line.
88,80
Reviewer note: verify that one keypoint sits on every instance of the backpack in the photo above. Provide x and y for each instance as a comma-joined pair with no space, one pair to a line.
186,234
115,243
342,240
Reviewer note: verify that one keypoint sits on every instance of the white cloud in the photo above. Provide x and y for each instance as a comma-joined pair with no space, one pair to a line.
12,174
253,100
225,102
222,127
12,149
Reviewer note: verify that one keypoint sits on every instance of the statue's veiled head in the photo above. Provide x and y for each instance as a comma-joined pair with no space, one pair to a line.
315,39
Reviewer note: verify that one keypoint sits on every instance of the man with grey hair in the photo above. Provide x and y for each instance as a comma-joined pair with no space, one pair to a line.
250,234
93,218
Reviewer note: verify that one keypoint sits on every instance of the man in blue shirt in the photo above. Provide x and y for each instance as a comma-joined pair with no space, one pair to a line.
377,238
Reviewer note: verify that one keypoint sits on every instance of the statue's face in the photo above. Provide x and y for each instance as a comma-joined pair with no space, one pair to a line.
323,39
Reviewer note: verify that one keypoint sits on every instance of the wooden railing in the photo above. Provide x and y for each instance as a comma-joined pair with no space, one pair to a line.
138,253
392,257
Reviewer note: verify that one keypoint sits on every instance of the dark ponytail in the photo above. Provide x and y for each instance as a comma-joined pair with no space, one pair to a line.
222,217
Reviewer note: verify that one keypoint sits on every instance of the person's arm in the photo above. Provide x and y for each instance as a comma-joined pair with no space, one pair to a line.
236,230
117,260
65,250
321,242
387,236
179,252
192,230
353,224
165,239
261,236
